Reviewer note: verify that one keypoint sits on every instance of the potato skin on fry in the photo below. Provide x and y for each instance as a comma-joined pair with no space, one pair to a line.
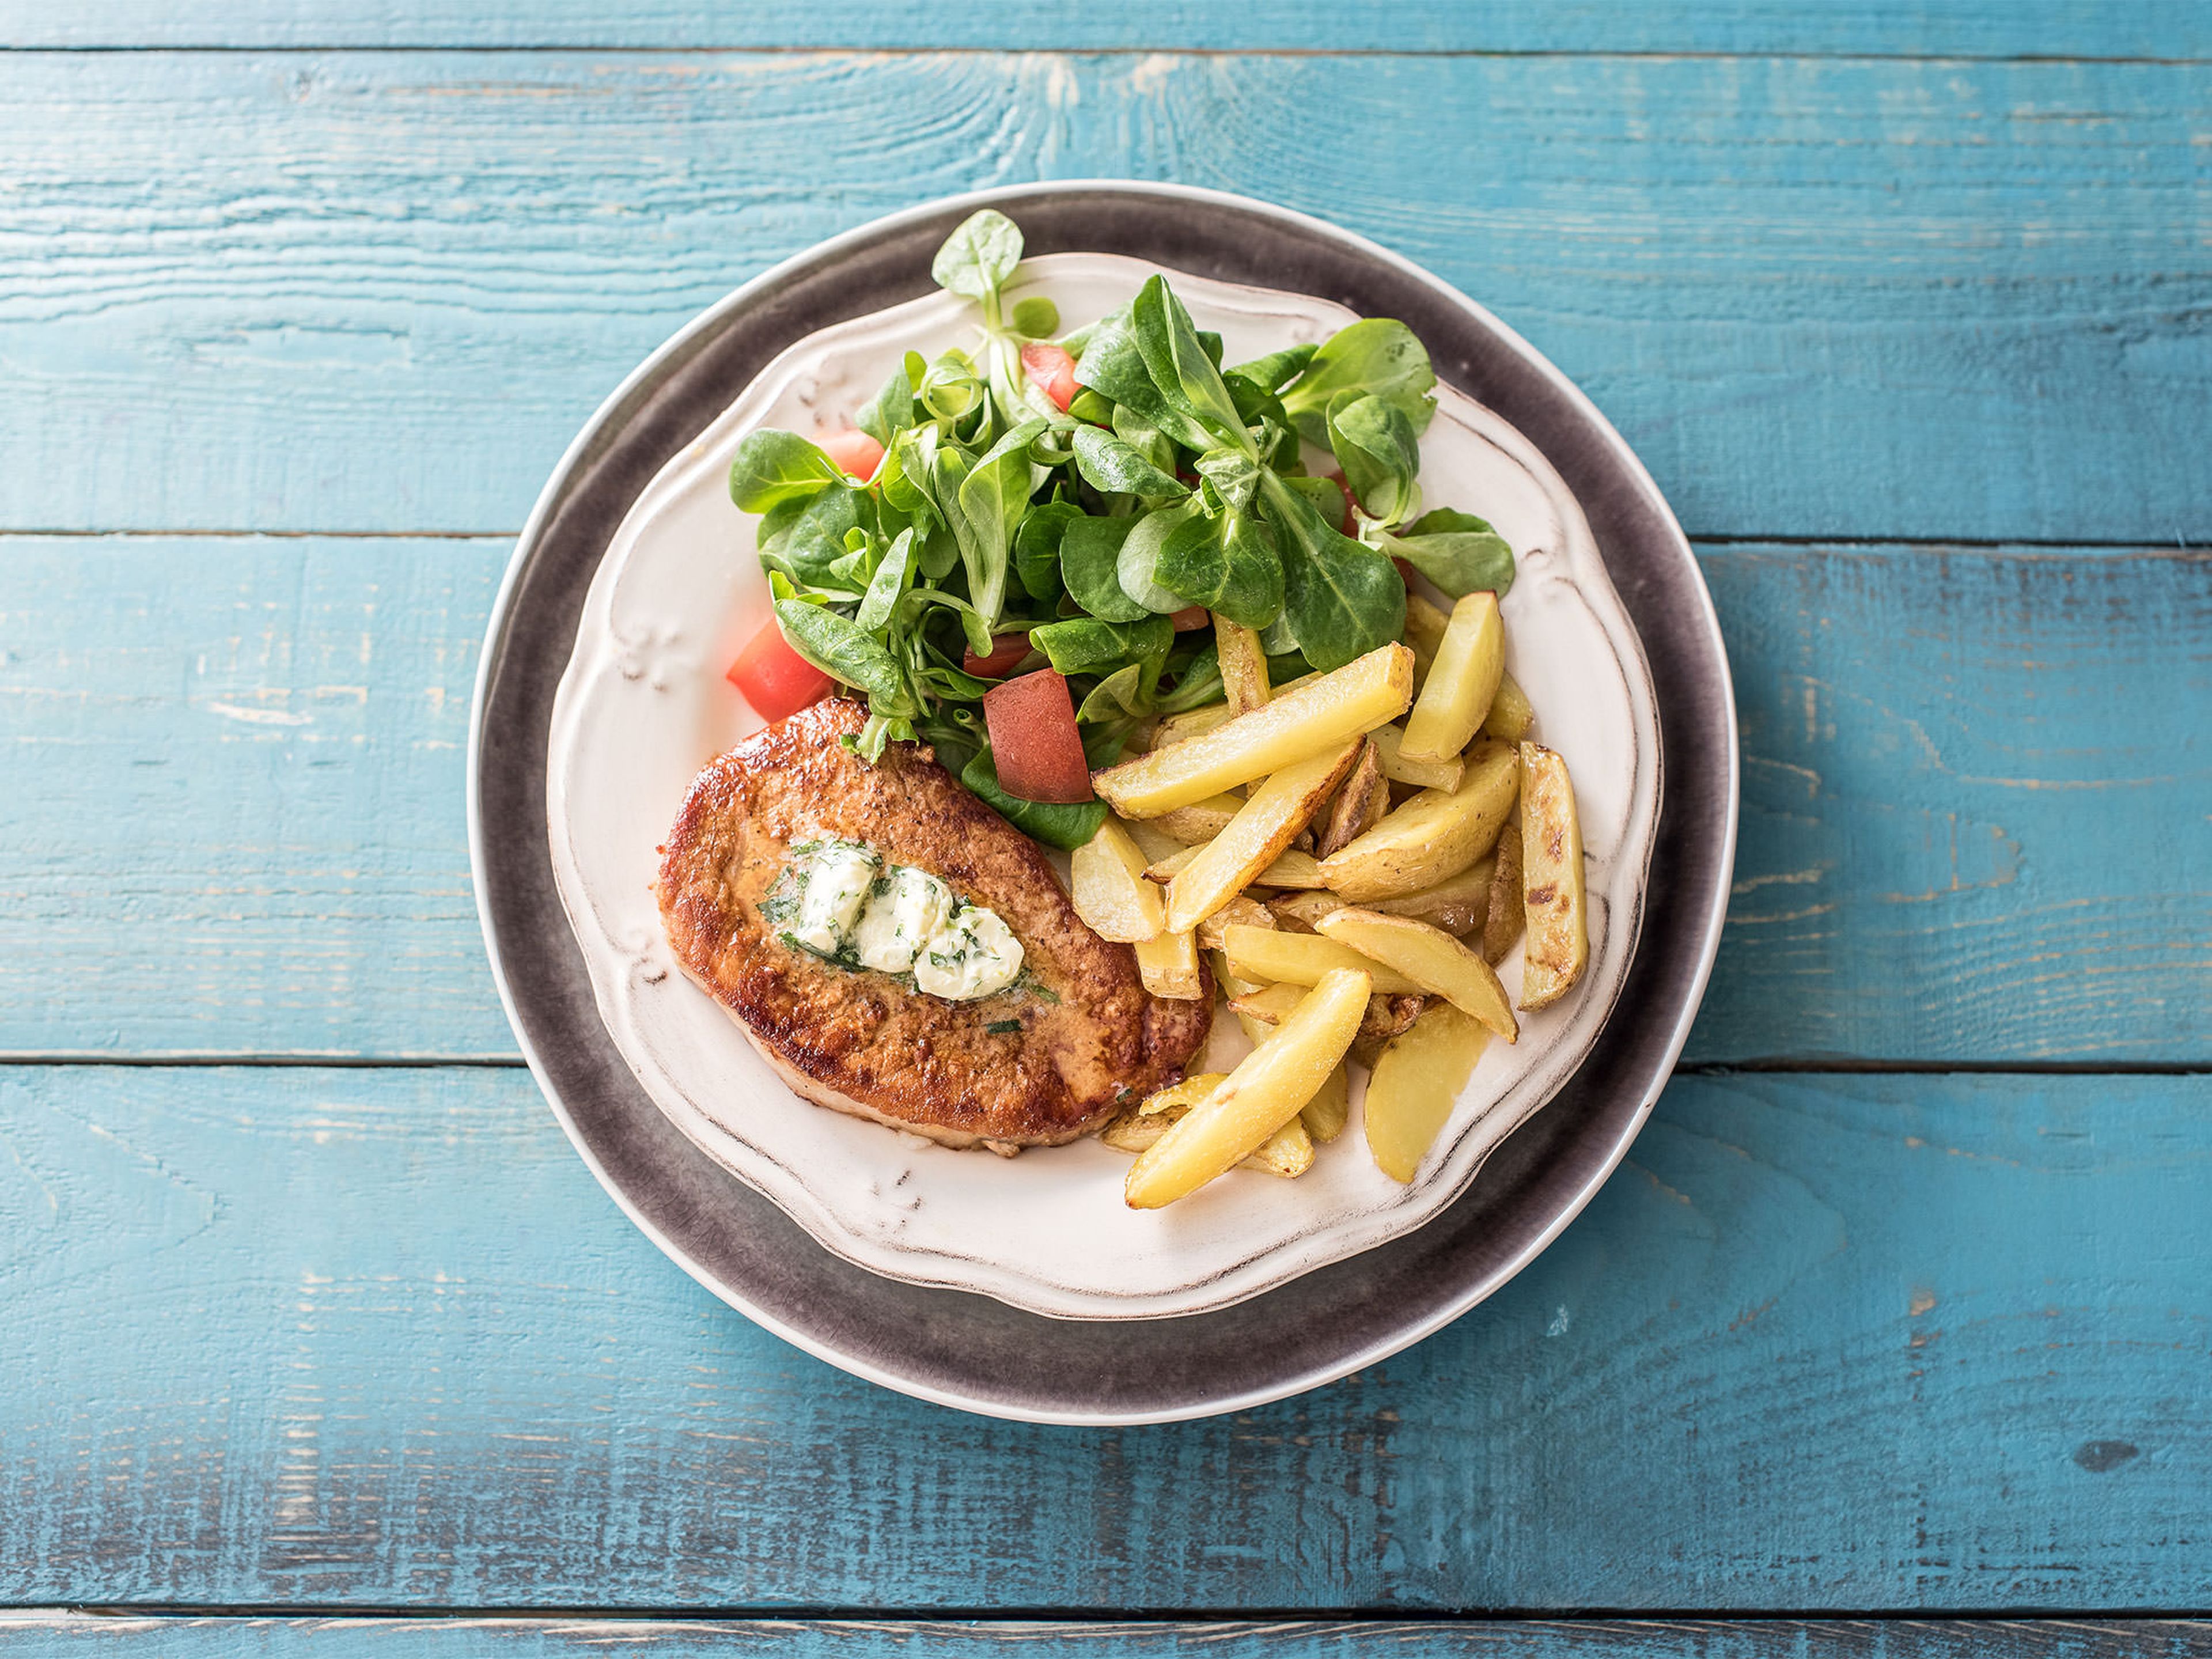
1436,834
1551,879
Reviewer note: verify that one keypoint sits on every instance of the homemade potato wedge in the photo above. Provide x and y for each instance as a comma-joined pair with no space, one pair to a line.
1180,1096
1416,1082
1256,836
1283,959
1432,959
1191,723
1386,1017
1390,755
1107,885
1327,1113
1424,632
1458,904
1239,911
1509,912
1461,682
1270,1004
1264,1092
1436,834
1244,665
1154,842
1551,879
1288,1153
1300,720
1509,714
1200,821
1291,868
1361,800
1299,911
1168,964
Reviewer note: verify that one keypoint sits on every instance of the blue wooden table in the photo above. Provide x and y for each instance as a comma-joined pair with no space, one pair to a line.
1899,1316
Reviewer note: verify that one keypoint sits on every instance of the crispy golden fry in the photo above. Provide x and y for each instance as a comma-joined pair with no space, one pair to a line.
1256,836
1131,1132
1508,912
1200,821
1417,1082
1107,884
1460,683
1284,959
1291,868
1180,1096
1551,879
1270,1004
1239,911
1259,1098
1288,1153
1424,632
1300,722
1361,800
1191,723
1457,903
1168,964
1244,665
1154,842
1256,1032
1432,959
1299,911
1389,754
1386,1017
1510,713
1436,834
1327,1113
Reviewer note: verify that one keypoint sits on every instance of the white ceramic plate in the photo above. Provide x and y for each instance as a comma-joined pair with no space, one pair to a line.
643,705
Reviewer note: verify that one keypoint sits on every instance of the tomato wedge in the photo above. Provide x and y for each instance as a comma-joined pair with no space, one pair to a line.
1190,617
1351,501
852,450
1052,372
1033,742
1006,650
775,678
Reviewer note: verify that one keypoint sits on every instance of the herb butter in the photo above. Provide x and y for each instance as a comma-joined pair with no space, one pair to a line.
848,905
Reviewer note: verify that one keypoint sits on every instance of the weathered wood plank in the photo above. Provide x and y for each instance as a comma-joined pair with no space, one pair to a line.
371,1336
32,1634
1822,296
1973,29
1977,788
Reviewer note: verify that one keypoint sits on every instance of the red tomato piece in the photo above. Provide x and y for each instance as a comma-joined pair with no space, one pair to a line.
852,450
1006,650
1351,501
1052,372
1404,572
1034,741
1196,616
775,678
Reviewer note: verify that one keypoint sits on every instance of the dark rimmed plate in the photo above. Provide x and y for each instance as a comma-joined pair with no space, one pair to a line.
968,1351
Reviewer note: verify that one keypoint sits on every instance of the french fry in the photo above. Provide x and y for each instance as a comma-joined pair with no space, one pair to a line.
1256,1032
1270,1004
1191,723
1288,1153
1432,959
1300,722
1131,1132
1168,965
1260,1096
1509,714
1244,665
1239,911
1461,682
1417,1081
1508,912
1299,911
1154,842
1107,884
1425,631
1291,868
1551,879
1200,821
1361,800
1327,1113
1255,837
1386,1017
1389,754
1436,834
1458,904
1180,1096
1283,959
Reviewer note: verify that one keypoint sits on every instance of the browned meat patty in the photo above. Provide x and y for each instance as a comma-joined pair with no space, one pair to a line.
869,1043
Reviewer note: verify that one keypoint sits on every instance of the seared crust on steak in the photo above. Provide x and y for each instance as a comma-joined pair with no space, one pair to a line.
869,1043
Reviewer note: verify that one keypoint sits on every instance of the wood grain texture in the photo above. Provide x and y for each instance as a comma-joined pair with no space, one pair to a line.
1974,28
374,1337
1978,789
35,1634
1831,297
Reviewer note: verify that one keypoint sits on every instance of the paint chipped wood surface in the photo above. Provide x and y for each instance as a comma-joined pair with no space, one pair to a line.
1903,303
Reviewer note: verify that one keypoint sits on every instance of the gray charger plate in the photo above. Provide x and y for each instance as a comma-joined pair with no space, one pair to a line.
968,1351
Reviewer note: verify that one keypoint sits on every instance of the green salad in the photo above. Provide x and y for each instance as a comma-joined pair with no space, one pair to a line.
1023,554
